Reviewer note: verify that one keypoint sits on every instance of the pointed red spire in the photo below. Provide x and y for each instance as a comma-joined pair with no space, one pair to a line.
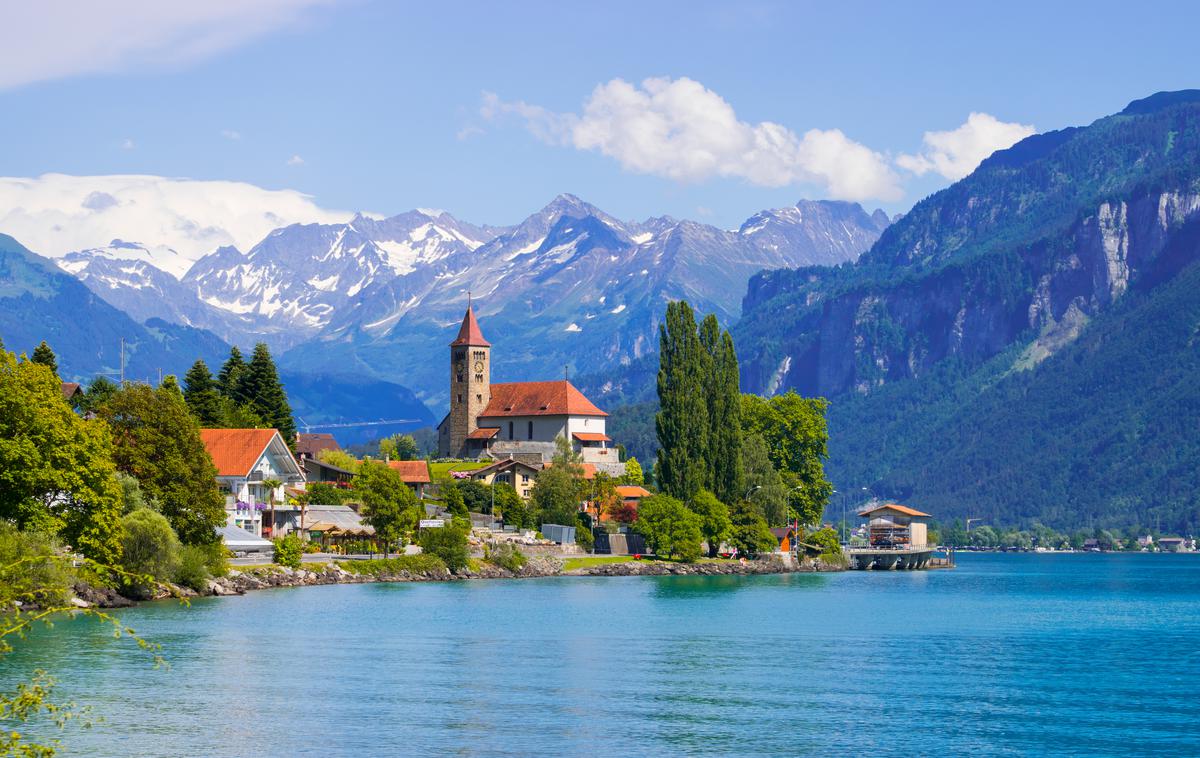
469,333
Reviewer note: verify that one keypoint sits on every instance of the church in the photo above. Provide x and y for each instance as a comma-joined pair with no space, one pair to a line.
517,420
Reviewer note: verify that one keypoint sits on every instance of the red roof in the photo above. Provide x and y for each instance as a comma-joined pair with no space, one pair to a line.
895,507
484,433
591,437
235,451
412,472
71,389
469,333
631,491
558,398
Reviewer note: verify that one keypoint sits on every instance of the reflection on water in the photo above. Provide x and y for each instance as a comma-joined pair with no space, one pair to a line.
1007,654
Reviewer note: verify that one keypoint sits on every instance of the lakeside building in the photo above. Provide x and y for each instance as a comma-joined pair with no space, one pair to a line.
896,537
518,420
1174,545
245,459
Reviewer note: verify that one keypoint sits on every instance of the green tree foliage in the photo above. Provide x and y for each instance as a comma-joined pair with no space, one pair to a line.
477,496
288,551
56,469
149,548
229,378
826,541
98,392
723,394
715,525
750,534
323,493
633,473
339,458
448,543
44,356
506,556
401,447
456,504
202,396
170,383
157,441
670,529
512,509
797,439
389,505
583,533
258,386
682,421
558,489
767,491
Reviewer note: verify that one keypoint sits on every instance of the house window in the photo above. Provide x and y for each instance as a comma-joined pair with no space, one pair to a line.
479,377
530,430
479,398
460,397
460,377
524,478
510,430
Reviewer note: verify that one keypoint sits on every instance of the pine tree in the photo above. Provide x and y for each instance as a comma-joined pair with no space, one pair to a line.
202,396
45,356
227,379
262,391
682,419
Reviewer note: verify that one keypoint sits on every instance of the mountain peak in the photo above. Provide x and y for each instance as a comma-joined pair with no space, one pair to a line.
1160,100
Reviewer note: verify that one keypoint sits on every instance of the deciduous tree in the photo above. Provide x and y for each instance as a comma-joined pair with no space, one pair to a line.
715,525
670,529
157,441
389,505
56,469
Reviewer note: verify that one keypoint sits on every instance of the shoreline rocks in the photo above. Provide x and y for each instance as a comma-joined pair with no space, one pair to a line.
239,582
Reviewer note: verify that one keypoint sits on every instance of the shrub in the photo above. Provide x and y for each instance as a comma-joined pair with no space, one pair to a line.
288,551
216,558
506,556
448,543
30,570
193,567
414,564
831,549
150,550
584,537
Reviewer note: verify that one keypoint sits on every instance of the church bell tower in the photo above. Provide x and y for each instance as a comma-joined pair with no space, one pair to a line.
470,381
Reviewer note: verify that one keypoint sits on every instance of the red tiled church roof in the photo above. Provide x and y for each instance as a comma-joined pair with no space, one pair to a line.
469,333
557,398
412,472
484,433
235,451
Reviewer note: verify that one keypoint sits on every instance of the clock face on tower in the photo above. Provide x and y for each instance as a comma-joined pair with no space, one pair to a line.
478,367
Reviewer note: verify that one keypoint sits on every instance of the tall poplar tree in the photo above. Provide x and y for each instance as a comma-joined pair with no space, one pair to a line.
202,396
682,420
259,387
722,394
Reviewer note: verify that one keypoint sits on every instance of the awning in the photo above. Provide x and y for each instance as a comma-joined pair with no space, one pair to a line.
591,437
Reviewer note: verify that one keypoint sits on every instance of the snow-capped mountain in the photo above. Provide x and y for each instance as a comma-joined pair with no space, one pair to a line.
568,286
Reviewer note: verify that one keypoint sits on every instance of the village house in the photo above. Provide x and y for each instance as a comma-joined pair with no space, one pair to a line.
414,473
245,459
518,474
518,420
310,445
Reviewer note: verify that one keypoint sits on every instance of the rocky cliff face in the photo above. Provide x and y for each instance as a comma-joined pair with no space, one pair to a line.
864,336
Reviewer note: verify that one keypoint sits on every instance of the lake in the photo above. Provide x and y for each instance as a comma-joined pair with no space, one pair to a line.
1007,654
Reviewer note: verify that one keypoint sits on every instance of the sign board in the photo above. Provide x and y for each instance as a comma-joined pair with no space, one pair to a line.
431,523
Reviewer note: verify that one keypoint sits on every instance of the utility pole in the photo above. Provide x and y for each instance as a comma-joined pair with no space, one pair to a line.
122,361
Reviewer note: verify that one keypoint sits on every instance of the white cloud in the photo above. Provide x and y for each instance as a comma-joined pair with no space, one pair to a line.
679,129
52,39
295,160
231,134
467,132
956,153
178,219
127,144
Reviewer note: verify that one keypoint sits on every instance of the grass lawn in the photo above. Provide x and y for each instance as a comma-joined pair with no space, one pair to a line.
594,560
442,469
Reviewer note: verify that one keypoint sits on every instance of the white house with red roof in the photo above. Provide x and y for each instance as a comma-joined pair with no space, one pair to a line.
245,458
518,420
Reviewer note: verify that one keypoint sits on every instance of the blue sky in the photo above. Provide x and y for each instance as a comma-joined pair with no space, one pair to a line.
383,106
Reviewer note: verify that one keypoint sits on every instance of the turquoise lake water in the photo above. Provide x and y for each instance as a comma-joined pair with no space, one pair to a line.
1008,654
